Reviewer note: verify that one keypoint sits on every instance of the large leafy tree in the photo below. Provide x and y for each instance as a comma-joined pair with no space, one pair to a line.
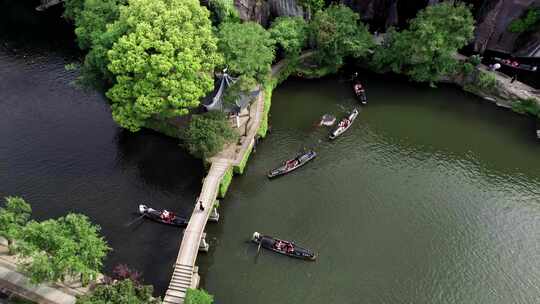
207,133
163,64
120,292
13,216
426,50
291,34
69,246
248,49
338,33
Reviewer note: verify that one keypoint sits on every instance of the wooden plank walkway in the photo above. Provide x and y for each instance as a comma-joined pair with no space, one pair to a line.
182,277
184,268
185,272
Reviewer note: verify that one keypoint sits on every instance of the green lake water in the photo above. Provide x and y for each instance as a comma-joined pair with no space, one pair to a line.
433,196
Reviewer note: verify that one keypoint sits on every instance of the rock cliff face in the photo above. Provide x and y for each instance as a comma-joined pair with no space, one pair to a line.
493,19
262,11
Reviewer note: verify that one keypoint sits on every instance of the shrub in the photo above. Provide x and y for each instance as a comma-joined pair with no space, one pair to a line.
467,68
527,106
475,60
207,134
124,291
198,296
487,81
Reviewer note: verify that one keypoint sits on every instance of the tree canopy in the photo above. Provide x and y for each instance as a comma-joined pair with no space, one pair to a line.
68,246
338,33
426,50
120,292
13,216
207,133
291,34
248,49
164,63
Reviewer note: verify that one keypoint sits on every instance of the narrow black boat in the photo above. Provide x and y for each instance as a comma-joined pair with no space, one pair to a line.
163,216
293,164
360,92
284,247
344,124
516,65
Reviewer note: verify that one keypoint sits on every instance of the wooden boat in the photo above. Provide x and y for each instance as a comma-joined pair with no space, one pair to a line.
293,164
163,216
283,247
515,65
344,124
360,92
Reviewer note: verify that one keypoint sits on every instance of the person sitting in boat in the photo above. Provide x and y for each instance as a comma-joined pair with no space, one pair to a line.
278,245
166,215
289,248
515,64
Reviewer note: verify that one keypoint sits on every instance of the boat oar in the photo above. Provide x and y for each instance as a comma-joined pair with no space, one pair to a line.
259,247
135,220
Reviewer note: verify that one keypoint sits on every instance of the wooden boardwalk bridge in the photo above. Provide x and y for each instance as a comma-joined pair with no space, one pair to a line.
185,274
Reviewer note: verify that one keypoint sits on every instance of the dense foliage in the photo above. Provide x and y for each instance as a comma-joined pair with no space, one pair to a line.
426,50
207,133
526,23
312,5
69,246
223,11
164,63
291,34
198,296
120,292
248,49
338,33
13,216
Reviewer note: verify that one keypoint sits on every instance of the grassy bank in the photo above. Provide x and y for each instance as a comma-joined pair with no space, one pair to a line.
225,183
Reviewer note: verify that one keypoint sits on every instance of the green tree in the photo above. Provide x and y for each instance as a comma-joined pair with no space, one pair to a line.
338,33
73,9
291,34
223,11
207,133
164,63
69,246
198,296
248,49
426,50
13,216
91,22
527,23
120,292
